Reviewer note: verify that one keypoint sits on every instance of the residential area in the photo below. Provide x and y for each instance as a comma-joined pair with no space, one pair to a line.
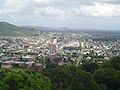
60,48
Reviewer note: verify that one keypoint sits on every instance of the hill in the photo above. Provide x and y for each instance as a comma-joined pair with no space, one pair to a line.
7,29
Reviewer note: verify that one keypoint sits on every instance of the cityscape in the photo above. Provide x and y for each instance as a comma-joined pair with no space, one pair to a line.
51,55
59,44
59,47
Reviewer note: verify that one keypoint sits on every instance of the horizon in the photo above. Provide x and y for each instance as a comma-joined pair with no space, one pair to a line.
62,29
74,14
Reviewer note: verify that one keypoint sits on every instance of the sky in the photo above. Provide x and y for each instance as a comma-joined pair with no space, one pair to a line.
79,14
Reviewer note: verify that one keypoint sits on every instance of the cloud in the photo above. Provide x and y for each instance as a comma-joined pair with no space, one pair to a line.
65,9
100,10
41,1
31,7
14,3
47,8
12,6
49,11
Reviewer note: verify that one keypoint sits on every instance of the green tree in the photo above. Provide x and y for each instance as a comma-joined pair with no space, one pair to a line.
89,66
103,87
84,81
71,78
115,63
109,77
22,80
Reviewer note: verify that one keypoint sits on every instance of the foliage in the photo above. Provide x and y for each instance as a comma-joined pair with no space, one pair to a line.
24,80
89,75
7,29
89,66
71,78
115,63
111,78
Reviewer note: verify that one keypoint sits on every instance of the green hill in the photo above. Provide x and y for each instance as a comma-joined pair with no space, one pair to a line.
7,29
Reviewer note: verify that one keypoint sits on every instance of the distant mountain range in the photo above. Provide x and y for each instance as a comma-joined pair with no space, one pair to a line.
7,29
46,29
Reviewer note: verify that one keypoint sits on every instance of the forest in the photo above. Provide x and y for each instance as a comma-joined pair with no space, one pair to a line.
87,76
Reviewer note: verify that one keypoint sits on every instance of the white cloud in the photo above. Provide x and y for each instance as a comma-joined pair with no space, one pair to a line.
38,7
100,10
14,3
41,1
48,8
49,11
12,6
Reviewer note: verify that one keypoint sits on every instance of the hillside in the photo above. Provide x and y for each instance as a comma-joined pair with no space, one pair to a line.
7,29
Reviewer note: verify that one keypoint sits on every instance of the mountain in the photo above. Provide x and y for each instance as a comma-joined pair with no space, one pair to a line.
47,29
7,29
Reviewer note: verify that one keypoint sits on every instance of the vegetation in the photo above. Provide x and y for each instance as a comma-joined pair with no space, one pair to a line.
23,80
7,29
88,76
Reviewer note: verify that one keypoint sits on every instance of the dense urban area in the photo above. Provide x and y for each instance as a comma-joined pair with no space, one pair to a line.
59,48
60,61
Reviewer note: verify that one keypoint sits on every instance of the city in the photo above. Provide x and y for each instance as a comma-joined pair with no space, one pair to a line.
59,47
59,44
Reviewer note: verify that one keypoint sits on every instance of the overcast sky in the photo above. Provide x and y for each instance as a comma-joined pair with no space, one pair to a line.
82,14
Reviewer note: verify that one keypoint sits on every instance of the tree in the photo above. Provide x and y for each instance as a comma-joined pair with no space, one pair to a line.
115,63
22,80
105,64
71,78
110,78
83,81
89,66
103,87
